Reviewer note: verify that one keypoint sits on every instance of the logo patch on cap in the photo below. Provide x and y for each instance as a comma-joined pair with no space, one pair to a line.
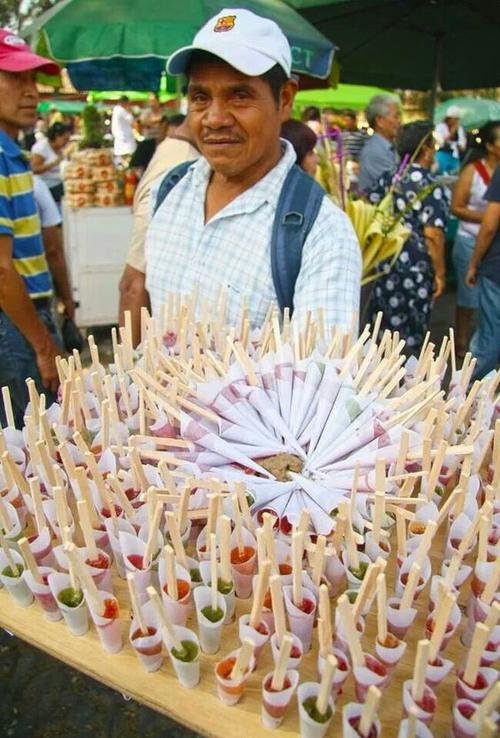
226,23
13,41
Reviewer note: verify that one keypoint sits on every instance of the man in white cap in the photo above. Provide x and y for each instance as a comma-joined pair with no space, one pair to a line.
451,140
214,228
28,337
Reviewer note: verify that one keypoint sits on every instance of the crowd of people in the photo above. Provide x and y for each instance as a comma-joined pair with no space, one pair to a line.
227,197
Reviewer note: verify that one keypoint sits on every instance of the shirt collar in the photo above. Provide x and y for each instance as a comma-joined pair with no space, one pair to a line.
266,190
9,146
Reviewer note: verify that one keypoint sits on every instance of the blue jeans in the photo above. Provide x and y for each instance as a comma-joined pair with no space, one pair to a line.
18,363
485,343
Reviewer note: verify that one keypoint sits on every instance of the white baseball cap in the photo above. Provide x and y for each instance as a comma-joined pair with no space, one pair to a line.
249,43
453,112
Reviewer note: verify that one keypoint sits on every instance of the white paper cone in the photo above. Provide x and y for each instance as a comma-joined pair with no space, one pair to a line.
15,586
76,618
296,654
274,704
301,623
259,636
42,594
210,634
229,690
309,728
352,714
148,648
424,714
108,629
187,672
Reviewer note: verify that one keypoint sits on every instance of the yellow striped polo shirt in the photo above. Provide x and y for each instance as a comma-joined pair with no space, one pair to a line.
19,218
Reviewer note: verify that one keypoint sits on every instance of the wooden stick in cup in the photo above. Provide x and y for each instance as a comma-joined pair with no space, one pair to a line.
370,709
88,534
490,703
420,670
152,542
381,608
260,593
29,559
280,669
473,662
367,587
8,407
225,549
136,607
214,584
88,584
171,573
237,524
267,524
8,555
325,614
325,686
243,502
243,659
441,616
319,560
411,586
297,554
175,537
164,619
278,607
350,630
492,584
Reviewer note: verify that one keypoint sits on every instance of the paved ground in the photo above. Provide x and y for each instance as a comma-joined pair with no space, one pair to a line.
59,702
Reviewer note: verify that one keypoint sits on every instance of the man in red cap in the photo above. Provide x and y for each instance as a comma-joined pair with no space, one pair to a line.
28,337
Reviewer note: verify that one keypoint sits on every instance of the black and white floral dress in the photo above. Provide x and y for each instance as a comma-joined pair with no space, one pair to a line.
404,294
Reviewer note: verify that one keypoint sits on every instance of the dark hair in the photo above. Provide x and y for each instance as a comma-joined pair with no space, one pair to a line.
487,135
350,113
124,98
275,77
174,120
57,129
413,136
311,113
302,138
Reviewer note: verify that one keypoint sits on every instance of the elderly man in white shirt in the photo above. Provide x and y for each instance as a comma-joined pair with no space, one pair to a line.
214,228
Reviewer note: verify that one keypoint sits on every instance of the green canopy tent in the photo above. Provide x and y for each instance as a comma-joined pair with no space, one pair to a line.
72,107
414,44
475,111
343,96
124,44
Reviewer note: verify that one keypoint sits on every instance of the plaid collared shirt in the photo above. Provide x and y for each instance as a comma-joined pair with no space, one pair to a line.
232,250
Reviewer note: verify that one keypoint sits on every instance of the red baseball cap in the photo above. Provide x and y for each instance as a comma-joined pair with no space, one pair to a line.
16,55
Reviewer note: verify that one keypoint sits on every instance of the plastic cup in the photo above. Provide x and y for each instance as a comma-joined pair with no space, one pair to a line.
398,621
390,656
275,704
243,572
42,594
148,647
426,707
108,628
177,610
310,728
463,724
76,618
187,672
351,717
259,635
15,586
301,622
296,653
422,730
41,548
210,634
372,672
438,670
486,677
230,690
353,582
341,672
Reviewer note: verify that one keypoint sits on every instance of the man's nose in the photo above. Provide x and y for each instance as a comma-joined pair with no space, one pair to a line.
29,84
217,115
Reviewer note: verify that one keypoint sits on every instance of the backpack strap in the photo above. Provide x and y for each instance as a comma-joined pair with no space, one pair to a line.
298,206
172,177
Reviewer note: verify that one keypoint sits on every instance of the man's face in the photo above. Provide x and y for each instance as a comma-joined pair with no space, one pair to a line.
349,123
18,101
234,119
388,125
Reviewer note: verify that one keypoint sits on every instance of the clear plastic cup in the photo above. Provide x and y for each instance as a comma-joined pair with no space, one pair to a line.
108,624
76,618
15,586
42,594
275,704
230,690
210,633
310,728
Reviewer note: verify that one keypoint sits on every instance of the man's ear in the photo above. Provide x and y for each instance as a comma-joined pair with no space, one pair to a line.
287,96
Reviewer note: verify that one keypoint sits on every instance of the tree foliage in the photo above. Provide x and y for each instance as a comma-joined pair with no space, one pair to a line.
17,15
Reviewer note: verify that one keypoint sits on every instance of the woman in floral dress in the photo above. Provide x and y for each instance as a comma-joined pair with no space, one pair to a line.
406,292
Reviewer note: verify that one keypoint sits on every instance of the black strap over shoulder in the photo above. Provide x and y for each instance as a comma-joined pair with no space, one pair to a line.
169,181
298,206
